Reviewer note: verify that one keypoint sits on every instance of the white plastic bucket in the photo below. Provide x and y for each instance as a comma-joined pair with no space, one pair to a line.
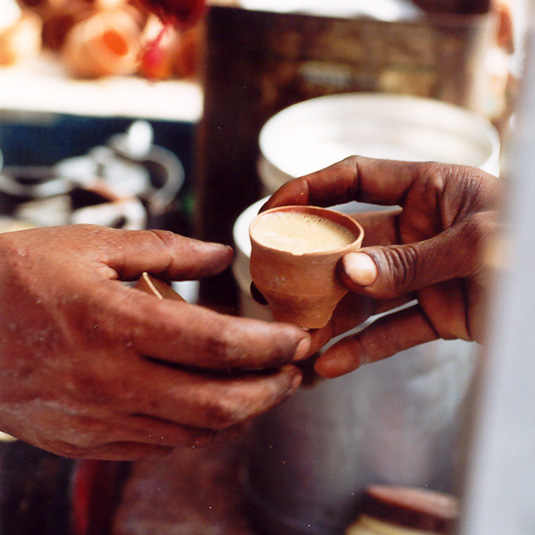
318,132
249,308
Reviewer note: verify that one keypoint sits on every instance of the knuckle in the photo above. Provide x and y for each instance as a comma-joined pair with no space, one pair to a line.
164,236
249,344
223,350
352,161
476,230
436,176
76,445
225,413
399,265
468,191
432,180
479,227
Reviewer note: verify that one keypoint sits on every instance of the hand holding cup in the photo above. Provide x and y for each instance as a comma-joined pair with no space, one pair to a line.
295,251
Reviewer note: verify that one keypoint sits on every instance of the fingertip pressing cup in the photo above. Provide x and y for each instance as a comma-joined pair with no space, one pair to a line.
295,250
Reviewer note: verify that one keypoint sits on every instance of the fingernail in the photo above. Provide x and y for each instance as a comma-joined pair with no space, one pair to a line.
218,247
331,368
327,369
340,360
296,382
360,268
302,349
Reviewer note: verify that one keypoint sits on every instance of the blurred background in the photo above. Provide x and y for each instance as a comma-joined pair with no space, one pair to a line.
109,116
75,73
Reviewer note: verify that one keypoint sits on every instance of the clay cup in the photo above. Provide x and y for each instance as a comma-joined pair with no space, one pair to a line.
301,288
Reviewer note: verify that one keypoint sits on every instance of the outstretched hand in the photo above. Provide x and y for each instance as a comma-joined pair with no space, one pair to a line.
428,248
91,367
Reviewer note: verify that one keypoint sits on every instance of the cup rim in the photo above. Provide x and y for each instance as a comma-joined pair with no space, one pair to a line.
333,215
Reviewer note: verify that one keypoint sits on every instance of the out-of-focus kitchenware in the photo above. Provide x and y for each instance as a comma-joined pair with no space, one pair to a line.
106,43
395,421
131,165
127,183
315,133
21,40
388,510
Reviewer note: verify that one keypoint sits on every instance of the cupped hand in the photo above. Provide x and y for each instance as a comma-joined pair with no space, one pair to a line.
92,367
429,247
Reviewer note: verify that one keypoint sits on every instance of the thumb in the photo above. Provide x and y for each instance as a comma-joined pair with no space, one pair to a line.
388,272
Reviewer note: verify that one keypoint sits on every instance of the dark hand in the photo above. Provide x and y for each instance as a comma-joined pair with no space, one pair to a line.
430,250
91,367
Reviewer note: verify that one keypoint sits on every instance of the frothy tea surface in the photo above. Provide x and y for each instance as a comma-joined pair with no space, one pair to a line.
301,233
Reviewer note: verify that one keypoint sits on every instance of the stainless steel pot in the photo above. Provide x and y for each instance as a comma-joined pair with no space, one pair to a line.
391,422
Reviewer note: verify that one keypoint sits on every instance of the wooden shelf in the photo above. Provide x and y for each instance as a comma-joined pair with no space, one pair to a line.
43,87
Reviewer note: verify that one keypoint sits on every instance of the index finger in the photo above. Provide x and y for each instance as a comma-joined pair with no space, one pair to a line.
191,335
356,178
167,254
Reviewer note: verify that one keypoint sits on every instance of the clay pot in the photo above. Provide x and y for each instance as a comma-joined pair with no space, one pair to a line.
22,40
302,289
105,44
57,26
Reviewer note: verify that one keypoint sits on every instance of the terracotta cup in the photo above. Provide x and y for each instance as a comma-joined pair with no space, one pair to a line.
301,288
22,40
105,44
